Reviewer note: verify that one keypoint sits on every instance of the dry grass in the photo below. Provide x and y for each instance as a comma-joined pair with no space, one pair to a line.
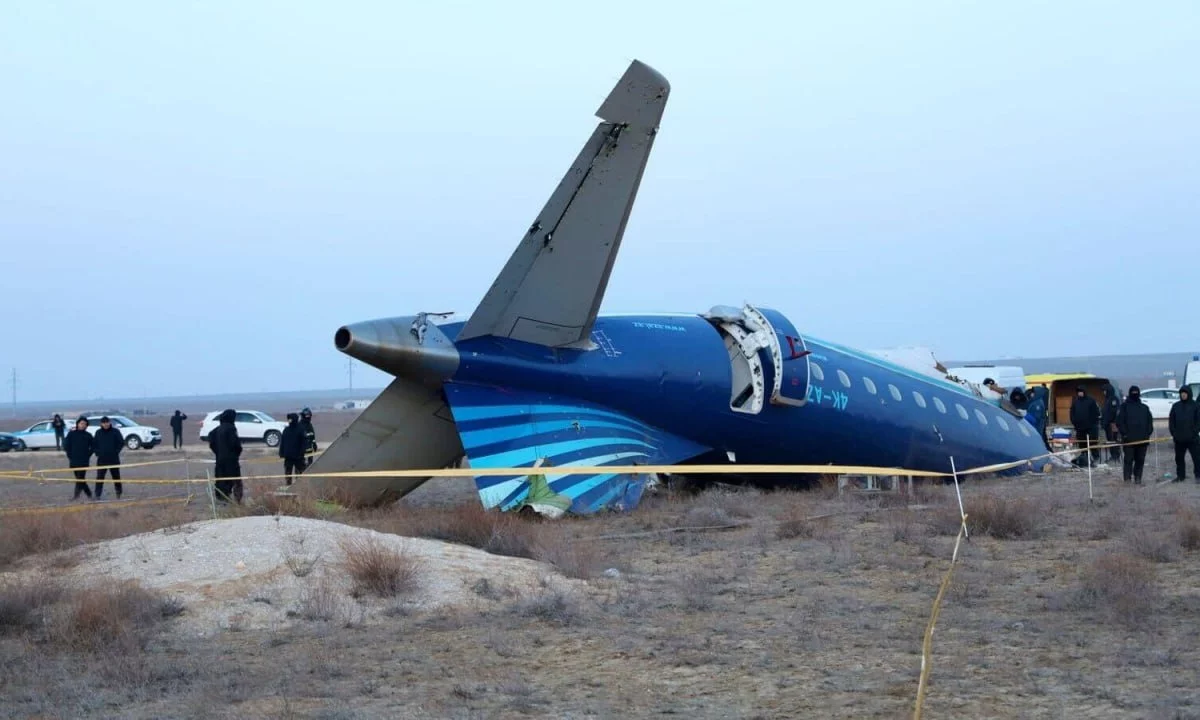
22,602
1004,518
1120,584
1187,529
25,535
570,556
101,619
378,568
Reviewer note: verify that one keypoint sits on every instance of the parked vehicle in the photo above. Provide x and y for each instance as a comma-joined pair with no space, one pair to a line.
136,436
252,426
1160,400
8,441
37,436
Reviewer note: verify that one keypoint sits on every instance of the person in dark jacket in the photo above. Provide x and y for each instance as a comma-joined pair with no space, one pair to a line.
107,444
291,447
1085,417
1035,412
1184,424
60,429
1135,422
310,436
177,429
78,447
1108,419
227,447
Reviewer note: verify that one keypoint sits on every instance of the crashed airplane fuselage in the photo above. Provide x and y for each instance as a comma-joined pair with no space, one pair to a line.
535,377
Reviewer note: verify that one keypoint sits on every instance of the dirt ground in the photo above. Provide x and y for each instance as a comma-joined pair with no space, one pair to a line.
814,605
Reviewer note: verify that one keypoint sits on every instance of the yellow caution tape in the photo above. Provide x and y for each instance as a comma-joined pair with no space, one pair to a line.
51,509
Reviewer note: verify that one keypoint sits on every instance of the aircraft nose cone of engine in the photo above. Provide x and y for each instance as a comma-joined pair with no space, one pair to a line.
409,347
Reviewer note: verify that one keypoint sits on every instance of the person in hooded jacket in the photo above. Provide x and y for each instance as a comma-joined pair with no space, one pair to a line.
60,429
291,447
177,429
1085,418
1108,418
108,443
310,436
1035,412
227,447
78,447
1135,422
1184,424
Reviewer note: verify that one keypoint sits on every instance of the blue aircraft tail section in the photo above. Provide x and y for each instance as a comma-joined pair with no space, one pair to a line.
512,428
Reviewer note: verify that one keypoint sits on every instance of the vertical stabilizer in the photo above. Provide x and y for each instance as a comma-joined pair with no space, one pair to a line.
550,290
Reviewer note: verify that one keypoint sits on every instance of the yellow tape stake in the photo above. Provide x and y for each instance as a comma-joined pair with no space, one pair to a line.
927,644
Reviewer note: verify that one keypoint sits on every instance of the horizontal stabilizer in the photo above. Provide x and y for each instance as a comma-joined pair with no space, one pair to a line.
509,429
550,290
407,427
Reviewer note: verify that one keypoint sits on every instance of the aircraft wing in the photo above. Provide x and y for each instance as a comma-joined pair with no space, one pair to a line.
503,428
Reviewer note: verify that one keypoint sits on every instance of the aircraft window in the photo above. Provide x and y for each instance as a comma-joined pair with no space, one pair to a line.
817,372
962,411
941,406
1002,422
870,385
844,378
982,418
895,391
919,399
1024,427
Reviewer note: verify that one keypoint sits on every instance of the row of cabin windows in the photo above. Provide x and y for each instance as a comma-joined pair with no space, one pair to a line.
918,398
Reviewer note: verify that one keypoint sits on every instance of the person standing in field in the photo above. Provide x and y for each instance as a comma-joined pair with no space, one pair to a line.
78,447
1184,424
108,444
291,447
1085,417
1136,424
310,436
60,429
177,429
227,447
1108,420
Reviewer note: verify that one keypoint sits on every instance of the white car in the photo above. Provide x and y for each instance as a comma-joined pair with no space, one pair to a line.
40,435
252,425
1160,400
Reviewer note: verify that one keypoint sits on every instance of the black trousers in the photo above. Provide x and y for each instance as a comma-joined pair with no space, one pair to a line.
293,466
176,439
1087,439
1135,460
1110,437
116,476
58,438
1182,450
81,486
226,488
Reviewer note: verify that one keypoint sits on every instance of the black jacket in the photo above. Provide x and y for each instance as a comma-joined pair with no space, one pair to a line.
293,443
177,422
1185,420
107,444
310,435
1135,421
78,446
225,443
1112,405
1085,413
59,425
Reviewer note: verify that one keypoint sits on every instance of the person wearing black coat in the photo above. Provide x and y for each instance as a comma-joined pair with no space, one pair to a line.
60,428
310,436
108,444
79,448
291,447
1184,424
1085,417
177,429
1108,419
1136,425
227,447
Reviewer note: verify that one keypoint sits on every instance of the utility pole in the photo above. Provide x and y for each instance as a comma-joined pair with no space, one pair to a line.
14,391
350,372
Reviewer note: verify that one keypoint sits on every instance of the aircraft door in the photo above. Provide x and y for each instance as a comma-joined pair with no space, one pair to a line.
791,386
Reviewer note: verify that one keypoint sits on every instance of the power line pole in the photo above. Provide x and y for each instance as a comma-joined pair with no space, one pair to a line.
14,392
350,372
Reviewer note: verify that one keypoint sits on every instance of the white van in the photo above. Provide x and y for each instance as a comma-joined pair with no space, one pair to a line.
1006,376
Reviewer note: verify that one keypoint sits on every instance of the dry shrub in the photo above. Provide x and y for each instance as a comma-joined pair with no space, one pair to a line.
550,607
1001,518
571,557
467,524
319,602
903,524
795,523
23,602
1119,583
104,619
24,535
1154,545
377,568
1187,529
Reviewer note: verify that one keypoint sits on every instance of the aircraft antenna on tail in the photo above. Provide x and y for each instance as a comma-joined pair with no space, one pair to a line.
550,290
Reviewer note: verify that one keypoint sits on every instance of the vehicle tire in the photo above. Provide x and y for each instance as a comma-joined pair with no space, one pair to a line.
19,446
133,442
272,438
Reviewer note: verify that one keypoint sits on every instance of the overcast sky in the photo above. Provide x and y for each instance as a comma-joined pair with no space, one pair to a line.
194,196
